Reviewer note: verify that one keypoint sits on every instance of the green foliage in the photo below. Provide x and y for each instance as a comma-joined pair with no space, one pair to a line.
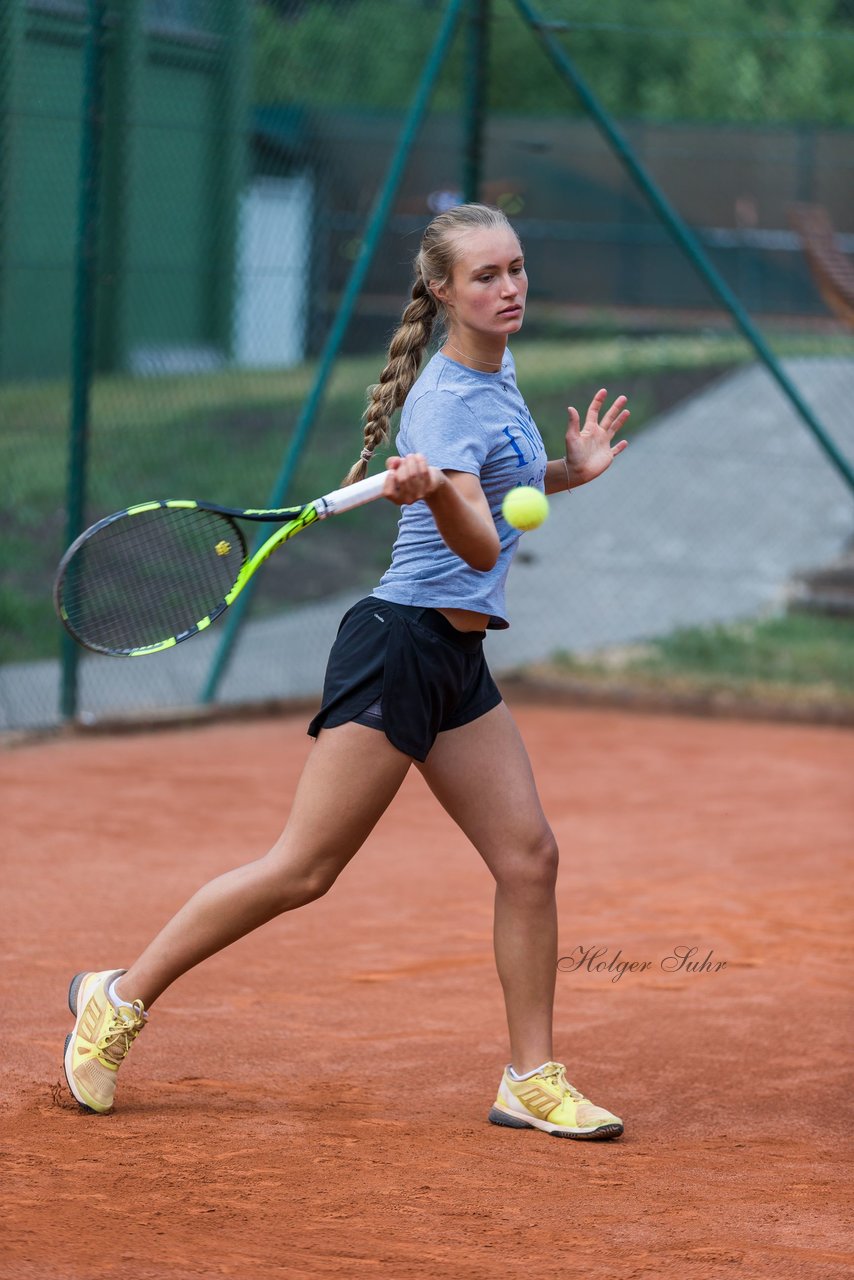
369,53
795,649
770,61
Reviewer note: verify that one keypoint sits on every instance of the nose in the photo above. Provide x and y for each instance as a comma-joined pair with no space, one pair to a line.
509,286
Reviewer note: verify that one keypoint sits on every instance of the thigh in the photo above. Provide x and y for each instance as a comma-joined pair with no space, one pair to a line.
351,776
481,775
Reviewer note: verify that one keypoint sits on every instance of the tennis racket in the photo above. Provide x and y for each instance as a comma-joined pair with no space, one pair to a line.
146,578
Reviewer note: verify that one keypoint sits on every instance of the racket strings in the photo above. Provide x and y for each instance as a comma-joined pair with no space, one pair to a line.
149,577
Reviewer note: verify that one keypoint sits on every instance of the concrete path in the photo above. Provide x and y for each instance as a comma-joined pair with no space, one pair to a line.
703,519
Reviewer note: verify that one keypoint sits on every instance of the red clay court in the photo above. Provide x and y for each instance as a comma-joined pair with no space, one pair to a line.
313,1101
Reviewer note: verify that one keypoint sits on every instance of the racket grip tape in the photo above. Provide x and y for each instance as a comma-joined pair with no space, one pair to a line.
354,495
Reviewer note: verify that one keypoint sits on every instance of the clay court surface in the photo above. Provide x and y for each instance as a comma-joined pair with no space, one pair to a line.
313,1102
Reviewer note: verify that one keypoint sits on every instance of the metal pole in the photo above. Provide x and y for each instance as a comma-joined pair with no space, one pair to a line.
376,225
13,23
118,158
231,114
475,96
86,258
681,232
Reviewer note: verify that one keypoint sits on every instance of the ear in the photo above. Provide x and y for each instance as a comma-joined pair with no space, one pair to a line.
440,292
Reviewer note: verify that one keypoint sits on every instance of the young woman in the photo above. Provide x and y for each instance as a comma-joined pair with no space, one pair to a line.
407,681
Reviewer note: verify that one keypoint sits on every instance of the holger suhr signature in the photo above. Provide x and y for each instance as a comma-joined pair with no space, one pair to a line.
682,959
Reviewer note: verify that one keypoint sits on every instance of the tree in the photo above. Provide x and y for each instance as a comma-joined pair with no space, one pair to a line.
773,61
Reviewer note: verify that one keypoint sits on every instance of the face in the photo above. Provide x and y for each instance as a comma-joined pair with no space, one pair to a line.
488,286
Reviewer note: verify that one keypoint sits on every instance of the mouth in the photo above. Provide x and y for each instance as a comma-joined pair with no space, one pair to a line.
515,310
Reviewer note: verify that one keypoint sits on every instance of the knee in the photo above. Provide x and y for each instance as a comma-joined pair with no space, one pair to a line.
530,870
292,886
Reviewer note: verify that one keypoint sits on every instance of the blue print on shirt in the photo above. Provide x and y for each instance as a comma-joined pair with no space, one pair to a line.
520,434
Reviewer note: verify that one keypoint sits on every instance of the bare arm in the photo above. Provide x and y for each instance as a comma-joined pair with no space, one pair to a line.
457,503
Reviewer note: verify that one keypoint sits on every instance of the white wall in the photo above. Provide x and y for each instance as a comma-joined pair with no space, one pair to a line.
274,259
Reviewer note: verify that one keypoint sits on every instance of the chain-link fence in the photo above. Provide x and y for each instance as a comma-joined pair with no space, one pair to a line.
192,204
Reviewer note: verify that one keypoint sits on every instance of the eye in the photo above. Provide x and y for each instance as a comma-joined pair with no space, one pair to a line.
484,279
517,271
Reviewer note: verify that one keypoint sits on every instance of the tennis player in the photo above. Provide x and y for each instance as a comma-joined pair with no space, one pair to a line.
407,681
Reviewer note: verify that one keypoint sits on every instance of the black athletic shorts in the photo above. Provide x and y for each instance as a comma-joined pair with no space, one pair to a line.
404,669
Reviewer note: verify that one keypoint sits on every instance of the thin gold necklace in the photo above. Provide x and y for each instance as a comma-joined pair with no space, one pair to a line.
473,358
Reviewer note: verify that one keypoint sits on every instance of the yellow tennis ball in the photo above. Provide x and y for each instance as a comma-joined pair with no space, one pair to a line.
525,508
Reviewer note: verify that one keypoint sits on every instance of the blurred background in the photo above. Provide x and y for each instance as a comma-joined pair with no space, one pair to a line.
208,214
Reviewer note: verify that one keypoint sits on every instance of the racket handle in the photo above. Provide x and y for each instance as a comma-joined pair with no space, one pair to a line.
354,495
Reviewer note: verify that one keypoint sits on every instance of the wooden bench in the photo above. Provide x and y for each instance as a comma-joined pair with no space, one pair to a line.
827,590
832,271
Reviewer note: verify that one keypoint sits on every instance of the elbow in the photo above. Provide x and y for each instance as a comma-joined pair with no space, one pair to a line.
485,558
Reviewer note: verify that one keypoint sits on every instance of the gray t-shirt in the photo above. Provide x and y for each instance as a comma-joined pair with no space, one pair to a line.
462,420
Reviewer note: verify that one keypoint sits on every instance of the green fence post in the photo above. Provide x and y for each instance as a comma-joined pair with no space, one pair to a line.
122,103
84,312
12,18
227,182
475,97
376,225
680,231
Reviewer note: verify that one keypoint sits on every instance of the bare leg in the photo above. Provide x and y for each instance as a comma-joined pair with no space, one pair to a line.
351,777
481,775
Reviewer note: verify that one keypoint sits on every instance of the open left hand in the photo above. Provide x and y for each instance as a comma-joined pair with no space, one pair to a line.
589,450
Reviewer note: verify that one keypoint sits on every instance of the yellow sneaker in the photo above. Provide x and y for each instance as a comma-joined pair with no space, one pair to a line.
102,1035
549,1102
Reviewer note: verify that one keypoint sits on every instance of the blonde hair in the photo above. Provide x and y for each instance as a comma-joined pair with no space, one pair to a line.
433,266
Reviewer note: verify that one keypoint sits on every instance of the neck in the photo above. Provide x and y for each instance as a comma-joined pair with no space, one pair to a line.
475,352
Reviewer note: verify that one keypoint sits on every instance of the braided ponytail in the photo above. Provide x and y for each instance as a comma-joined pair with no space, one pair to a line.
404,359
434,265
